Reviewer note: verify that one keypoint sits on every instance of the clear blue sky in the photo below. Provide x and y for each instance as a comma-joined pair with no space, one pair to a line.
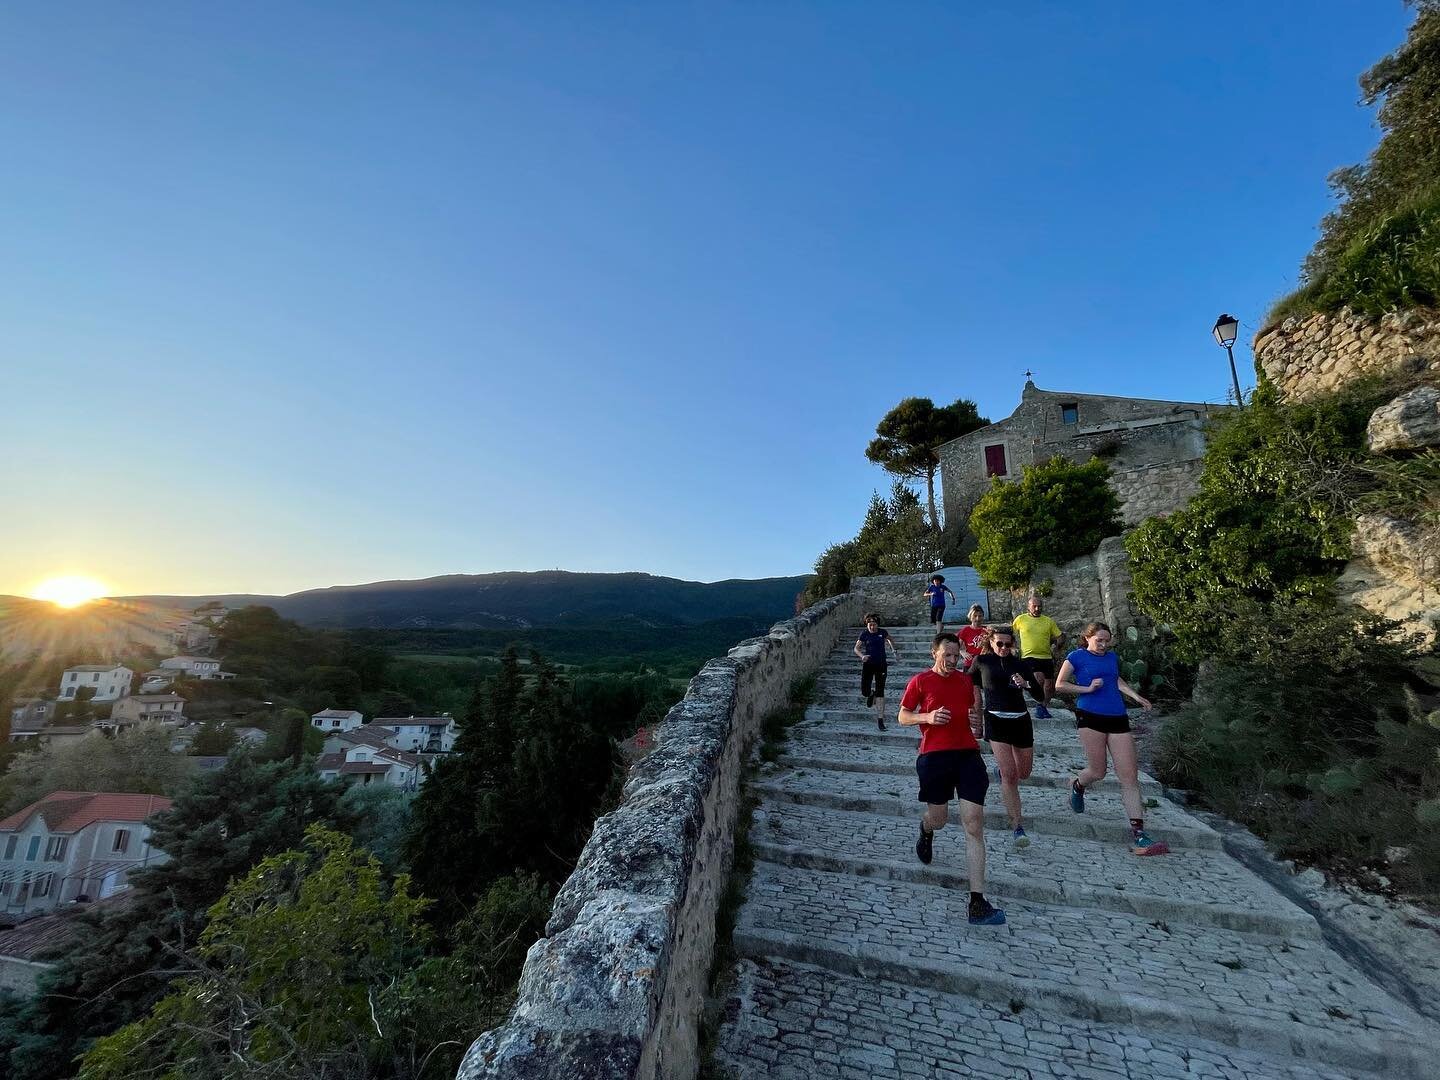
296,294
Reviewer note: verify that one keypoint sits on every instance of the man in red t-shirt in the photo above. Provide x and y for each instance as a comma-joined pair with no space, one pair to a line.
943,704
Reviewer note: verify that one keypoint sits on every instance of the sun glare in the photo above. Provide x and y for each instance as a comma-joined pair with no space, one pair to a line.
69,592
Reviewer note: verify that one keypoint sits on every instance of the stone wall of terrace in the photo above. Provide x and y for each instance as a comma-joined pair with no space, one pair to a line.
1321,352
614,990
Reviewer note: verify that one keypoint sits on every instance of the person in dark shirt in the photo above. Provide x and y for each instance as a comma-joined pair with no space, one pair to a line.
1002,676
874,663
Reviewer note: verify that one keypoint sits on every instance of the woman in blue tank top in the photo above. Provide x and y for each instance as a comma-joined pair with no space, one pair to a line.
1093,674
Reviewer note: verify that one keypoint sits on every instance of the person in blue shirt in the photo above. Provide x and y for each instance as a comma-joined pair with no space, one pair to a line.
1093,673
874,664
936,592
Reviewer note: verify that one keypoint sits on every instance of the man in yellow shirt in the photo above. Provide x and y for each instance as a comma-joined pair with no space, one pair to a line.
1040,636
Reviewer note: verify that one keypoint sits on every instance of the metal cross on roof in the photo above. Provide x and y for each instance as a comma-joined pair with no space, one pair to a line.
1028,373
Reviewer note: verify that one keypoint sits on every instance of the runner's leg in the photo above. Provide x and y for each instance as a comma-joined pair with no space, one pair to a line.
1127,771
1005,760
1093,743
972,816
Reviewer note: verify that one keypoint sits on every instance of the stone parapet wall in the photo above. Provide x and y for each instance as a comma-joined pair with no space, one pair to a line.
1321,352
899,599
1094,586
614,990
1155,489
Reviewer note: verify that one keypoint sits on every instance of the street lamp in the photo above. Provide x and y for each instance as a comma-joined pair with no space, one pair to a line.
1226,327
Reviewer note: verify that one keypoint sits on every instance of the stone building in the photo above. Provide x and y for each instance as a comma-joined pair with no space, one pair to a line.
1154,448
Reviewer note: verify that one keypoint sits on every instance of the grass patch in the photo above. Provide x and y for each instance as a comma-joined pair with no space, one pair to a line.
775,728
1394,264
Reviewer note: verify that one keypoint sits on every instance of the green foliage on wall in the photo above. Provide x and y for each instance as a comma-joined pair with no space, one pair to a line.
1272,519
1056,512
1380,249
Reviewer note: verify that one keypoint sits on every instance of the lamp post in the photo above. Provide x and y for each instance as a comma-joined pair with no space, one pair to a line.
1226,327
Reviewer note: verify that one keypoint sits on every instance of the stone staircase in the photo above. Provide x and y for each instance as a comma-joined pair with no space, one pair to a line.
857,961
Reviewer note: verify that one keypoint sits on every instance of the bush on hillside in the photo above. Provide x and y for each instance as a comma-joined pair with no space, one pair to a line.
1056,512
1308,731
1272,520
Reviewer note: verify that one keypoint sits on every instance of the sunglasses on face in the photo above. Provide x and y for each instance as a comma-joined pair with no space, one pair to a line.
1004,644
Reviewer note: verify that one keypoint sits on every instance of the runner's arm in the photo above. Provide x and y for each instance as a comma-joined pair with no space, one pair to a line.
858,651
891,642
910,719
1132,694
1065,681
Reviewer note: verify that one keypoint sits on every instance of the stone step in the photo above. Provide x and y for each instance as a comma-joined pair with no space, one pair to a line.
1195,886
1046,814
792,1021
862,717
1052,769
1287,997
861,729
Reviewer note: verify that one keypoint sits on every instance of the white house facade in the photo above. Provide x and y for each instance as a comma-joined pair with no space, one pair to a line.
72,844
330,720
196,667
111,682
420,734
146,708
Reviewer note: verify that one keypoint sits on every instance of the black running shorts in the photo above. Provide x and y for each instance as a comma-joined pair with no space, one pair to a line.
1016,731
937,615
872,678
947,774
1039,665
1110,725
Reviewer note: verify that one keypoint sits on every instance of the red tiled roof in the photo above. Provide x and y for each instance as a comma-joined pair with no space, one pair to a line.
414,721
329,761
71,811
404,757
351,768
365,736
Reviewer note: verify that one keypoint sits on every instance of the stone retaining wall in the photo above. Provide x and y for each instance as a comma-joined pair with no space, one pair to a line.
1317,354
1155,489
615,988
1094,586
899,599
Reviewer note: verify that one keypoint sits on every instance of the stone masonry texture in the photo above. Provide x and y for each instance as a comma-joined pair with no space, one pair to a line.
1321,352
616,987
855,959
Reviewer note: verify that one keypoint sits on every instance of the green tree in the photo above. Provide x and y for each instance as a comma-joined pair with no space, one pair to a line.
219,828
138,760
294,976
523,745
908,436
1272,520
214,739
1405,164
1056,512
893,539
380,818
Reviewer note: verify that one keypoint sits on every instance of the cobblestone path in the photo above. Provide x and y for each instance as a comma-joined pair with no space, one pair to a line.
857,961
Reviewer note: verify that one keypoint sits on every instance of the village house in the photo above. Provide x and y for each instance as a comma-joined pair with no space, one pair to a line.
109,681
28,715
1154,448
328,720
145,708
194,667
74,844
22,946
421,734
358,759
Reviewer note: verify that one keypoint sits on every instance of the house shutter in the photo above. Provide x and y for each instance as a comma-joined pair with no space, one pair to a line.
995,460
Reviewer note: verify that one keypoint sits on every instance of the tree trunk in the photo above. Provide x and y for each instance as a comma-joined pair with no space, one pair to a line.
930,490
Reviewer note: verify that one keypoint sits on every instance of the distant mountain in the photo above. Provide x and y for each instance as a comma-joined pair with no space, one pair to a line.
521,600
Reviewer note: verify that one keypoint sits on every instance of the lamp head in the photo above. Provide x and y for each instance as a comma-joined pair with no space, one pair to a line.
1226,328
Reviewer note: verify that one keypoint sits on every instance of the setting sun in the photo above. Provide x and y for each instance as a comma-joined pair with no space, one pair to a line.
69,592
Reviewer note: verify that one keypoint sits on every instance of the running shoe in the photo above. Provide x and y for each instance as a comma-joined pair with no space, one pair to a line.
1141,844
1021,840
880,722
985,913
1042,713
923,845
1077,798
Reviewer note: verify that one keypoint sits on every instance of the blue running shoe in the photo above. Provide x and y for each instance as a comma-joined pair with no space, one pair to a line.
1021,840
1042,713
1141,844
985,913
1077,798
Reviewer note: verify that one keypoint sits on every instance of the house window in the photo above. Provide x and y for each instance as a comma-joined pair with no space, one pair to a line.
10,842
122,840
33,850
55,849
995,460
42,885
1070,414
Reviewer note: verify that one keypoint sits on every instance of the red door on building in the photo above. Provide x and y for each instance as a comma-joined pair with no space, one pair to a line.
995,460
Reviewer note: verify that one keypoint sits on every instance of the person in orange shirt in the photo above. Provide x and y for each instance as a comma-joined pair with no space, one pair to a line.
942,703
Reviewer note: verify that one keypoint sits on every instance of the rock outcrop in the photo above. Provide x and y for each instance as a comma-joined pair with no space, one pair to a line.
1395,573
1410,422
